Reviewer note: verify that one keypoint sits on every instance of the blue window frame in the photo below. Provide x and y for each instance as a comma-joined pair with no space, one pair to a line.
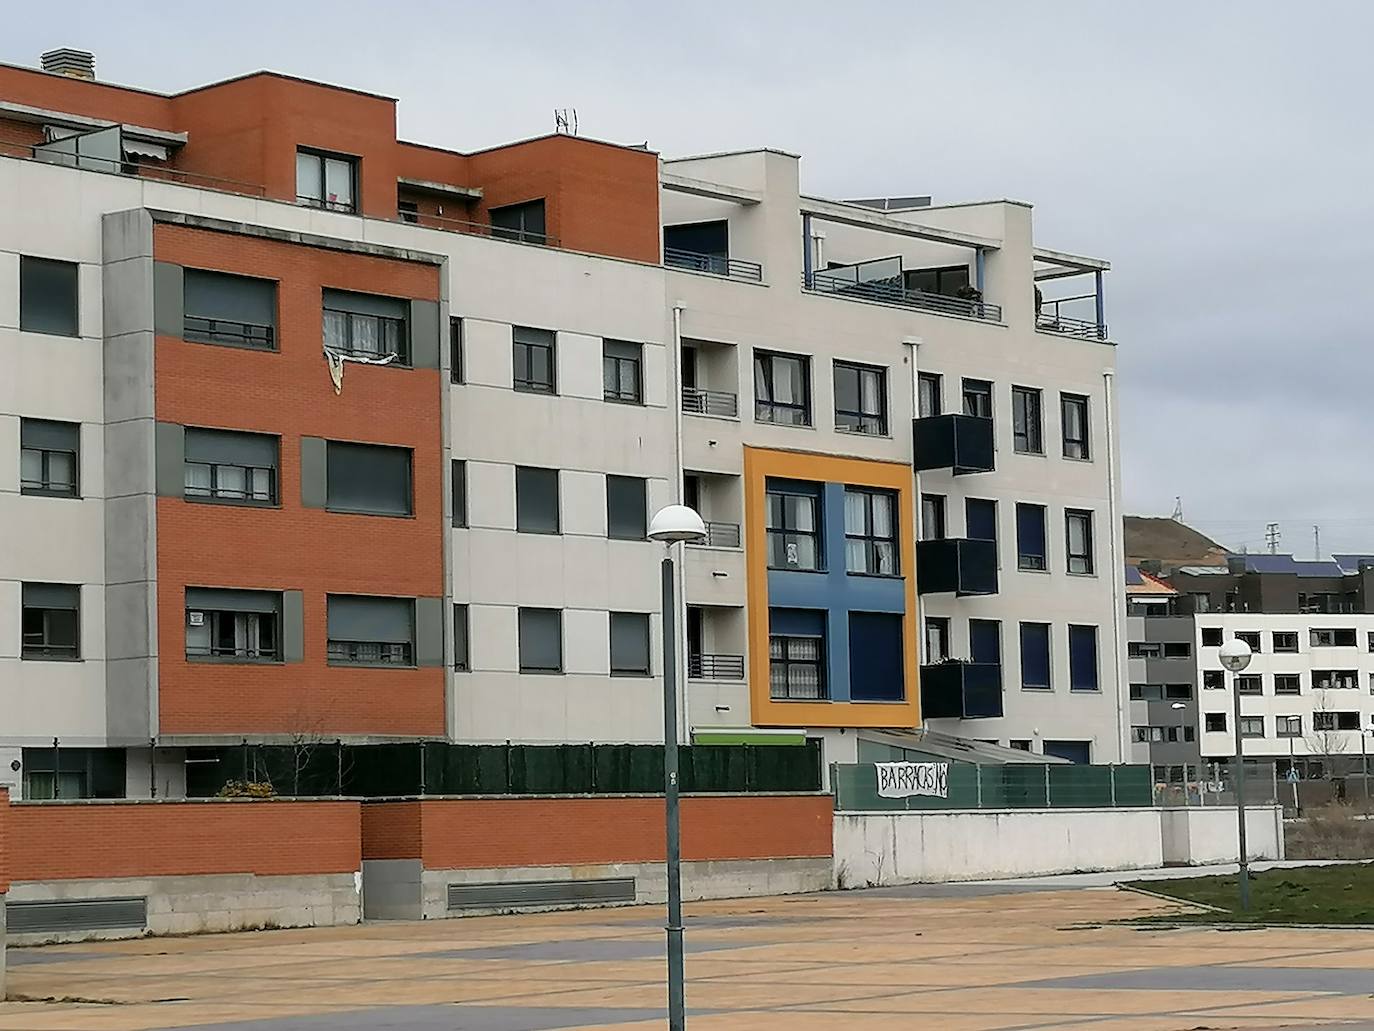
1035,657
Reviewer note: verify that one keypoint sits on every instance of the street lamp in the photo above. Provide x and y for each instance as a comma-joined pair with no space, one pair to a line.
672,525
1235,656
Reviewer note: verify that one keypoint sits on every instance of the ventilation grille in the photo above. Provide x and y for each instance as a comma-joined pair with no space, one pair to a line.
79,64
513,894
76,915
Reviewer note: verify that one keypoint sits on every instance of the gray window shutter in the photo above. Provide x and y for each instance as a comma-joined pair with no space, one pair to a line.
366,304
630,642
368,478
50,436
460,492
52,596
460,637
536,500
227,447
220,295
47,296
541,640
221,599
352,617
626,508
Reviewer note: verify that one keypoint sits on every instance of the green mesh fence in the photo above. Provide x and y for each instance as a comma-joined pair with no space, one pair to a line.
1020,786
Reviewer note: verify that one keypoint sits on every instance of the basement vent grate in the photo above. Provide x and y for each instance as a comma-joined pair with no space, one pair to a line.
64,915
510,894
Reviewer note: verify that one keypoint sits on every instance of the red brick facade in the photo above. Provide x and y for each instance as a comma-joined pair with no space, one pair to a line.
289,393
62,842
4,840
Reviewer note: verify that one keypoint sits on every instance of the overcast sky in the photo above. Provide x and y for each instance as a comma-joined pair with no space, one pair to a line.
1219,154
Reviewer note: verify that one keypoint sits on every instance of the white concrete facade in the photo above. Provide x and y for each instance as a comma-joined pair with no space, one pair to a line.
495,285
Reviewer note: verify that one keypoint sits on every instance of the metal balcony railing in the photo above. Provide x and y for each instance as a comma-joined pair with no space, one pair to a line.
205,330
890,290
714,264
710,402
1048,322
715,667
719,535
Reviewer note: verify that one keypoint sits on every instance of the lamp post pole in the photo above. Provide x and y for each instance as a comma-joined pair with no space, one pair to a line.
672,525
1235,656
676,1016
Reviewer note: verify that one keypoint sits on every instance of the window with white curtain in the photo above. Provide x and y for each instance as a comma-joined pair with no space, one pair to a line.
870,535
793,527
782,388
860,398
795,667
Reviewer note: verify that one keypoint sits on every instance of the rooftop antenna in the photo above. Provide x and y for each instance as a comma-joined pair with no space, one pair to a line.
1316,543
565,121
1272,537
1178,510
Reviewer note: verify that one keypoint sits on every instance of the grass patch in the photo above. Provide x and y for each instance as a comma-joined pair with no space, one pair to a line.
1307,895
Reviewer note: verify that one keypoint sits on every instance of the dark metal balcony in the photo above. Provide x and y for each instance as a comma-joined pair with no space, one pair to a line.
715,667
953,441
961,690
696,401
956,565
891,290
713,264
718,535
1053,322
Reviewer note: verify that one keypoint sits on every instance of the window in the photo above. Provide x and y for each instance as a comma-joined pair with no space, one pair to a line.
326,180
222,465
536,500
1143,650
1249,683
629,644
232,625
1073,418
1250,637
932,517
1202,602
1147,692
782,388
1027,430
523,222
1211,635
1083,658
1287,683
980,519
365,325
1035,656
1214,722
1333,638
626,508
1178,650
51,621
409,211
876,661
541,641
1335,720
946,281
929,387
870,531
455,350
1252,726
1288,726
370,631
534,358
370,479
796,667
1371,640
1078,531
985,644
52,773
1030,536
700,246
1213,680
860,398
793,524
1284,641
220,308
621,376
460,492
1335,679
49,458
47,297
1020,744
937,640
977,398
1178,691
460,639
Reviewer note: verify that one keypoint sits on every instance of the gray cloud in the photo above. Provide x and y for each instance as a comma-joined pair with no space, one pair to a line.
1218,153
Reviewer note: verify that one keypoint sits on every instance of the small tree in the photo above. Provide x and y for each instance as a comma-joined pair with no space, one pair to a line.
1326,741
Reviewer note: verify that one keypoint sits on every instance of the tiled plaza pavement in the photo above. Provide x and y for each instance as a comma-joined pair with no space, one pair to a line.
897,958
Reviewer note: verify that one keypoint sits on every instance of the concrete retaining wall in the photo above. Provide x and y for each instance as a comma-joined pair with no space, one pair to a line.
216,902
967,845
1193,837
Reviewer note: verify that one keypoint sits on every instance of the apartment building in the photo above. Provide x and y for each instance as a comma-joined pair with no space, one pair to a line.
1162,678
311,433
